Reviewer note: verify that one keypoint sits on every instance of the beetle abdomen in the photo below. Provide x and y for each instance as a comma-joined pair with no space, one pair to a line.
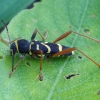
48,48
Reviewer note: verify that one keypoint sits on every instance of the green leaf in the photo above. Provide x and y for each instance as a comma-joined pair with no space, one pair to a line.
9,8
56,17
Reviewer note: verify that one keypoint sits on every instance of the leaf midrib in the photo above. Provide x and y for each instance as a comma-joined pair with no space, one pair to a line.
66,61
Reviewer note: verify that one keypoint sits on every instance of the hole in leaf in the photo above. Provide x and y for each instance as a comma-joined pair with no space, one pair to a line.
98,93
28,63
32,4
70,76
86,30
70,26
79,57
93,15
1,57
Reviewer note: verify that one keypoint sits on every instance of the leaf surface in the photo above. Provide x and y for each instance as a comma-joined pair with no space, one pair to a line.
56,17
9,8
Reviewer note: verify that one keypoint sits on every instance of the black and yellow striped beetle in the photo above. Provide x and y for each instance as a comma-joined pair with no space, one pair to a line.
41,49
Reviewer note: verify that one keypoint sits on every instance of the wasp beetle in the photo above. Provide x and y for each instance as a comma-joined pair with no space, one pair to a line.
41,49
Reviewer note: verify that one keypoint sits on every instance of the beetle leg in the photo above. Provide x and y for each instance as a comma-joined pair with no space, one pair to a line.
15,67
69,32
62,36
7,31
40,75
72,49
15,40
43,37
35,33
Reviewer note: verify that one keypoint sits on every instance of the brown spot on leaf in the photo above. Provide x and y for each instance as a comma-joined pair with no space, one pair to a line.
1,57
79,57
27,63
86,30
70,76
98,93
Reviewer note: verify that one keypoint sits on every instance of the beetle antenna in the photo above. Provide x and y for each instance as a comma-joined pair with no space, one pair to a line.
7,31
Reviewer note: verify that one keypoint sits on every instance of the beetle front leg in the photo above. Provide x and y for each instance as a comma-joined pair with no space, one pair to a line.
15,67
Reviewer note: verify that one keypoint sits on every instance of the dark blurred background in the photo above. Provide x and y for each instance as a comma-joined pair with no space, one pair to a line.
9,8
